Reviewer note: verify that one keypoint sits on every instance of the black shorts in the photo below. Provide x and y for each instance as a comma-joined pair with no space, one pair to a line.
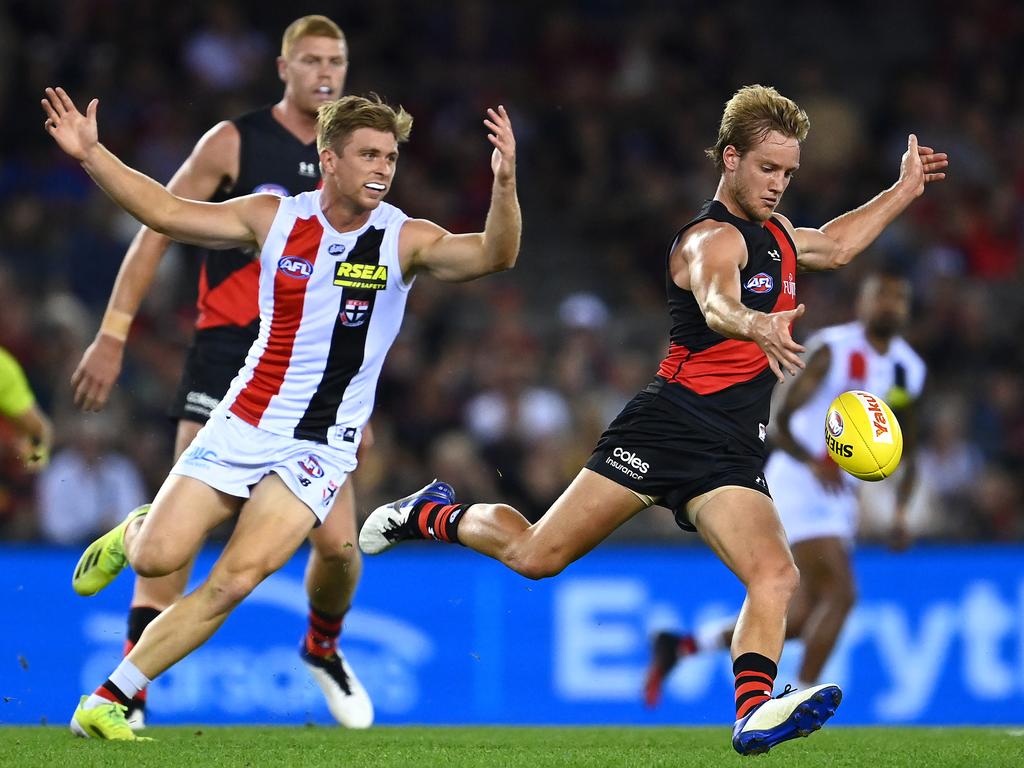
213,360
654,448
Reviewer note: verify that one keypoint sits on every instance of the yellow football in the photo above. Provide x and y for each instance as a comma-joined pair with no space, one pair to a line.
862,435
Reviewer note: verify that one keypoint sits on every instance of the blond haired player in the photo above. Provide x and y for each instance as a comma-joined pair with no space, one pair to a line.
272,149
693,439
817,502
336,266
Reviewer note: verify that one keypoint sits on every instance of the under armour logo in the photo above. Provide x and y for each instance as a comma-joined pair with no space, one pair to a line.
760,481
776,256
307,169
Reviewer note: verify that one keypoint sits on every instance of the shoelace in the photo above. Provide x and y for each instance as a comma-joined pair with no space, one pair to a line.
786,691
339,669
113,713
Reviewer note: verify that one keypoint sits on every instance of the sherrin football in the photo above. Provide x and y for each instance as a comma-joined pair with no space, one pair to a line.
862,435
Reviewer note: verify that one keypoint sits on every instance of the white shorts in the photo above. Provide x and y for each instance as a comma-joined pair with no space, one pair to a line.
232,456
806,509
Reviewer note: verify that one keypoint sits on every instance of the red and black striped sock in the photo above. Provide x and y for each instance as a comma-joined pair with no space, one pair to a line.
755,679
139,617
323,631
439,522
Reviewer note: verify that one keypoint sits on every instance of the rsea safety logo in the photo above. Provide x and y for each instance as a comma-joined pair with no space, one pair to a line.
373,277
295,266
762,282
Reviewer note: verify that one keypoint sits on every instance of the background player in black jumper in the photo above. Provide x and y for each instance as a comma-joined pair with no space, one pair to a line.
693,440
271,149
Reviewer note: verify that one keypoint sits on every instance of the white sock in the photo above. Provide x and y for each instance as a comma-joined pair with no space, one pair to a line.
708,636
128,679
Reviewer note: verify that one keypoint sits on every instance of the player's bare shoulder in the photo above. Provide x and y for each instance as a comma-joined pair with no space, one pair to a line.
216,155
705,240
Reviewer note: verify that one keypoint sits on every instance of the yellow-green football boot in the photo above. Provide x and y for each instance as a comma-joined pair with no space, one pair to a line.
105,721
104,558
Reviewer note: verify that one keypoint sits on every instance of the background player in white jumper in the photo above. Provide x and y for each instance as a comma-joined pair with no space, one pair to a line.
270,148
817,502
336,267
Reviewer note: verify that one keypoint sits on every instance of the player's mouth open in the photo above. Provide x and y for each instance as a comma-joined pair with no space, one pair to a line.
325,90
375,186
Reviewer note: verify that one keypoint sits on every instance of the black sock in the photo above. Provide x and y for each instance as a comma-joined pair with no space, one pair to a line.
139,617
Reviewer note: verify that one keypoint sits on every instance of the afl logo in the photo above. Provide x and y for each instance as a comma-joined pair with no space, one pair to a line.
295,266
835,423
760,283
271,189
311,466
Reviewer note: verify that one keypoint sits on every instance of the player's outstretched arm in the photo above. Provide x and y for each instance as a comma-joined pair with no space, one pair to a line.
711,256
426,247
215,225
213,161
838,242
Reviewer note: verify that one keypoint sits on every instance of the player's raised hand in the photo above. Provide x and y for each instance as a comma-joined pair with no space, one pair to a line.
921,166
503,159
74,132
772,335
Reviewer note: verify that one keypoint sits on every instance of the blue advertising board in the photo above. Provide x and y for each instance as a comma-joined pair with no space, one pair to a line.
440,635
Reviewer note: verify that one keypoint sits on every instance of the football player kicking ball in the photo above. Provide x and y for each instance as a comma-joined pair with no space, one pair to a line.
817,502
693,440
336,267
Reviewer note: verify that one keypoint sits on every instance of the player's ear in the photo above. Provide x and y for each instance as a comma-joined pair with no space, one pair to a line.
327,160
730,157
282,63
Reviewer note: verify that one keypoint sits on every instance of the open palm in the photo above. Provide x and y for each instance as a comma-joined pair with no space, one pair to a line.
74,132
503,159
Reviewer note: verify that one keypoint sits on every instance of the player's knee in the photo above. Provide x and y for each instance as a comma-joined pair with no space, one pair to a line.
227,590
339,552
779,580
151,559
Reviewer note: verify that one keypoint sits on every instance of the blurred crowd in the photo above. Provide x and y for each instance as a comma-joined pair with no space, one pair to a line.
503,385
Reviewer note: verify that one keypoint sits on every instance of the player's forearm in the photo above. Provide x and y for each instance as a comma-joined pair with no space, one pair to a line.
504,228
857,229
134,278
136,193
727,316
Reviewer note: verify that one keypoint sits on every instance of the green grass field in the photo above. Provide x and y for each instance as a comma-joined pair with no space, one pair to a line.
311,747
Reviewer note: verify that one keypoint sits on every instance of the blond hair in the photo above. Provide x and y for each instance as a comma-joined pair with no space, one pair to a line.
751,114
336,120
309,26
